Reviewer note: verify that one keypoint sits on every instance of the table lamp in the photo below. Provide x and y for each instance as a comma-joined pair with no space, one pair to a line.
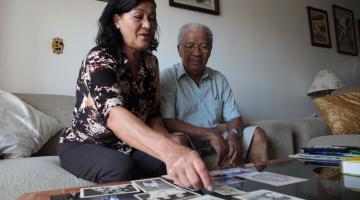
324,83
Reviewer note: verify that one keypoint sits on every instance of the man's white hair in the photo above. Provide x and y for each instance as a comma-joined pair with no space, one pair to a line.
195,26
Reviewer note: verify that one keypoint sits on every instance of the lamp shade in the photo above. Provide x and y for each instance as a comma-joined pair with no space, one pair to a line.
325,80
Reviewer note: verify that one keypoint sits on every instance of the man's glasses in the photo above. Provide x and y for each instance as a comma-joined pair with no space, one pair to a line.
203,47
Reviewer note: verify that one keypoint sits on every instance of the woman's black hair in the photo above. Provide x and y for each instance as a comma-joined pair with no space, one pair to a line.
108,35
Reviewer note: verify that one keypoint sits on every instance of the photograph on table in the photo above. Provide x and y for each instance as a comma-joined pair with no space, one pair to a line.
265,195
226,190
207,197
152,184
168,194
272,178
107,190
228,176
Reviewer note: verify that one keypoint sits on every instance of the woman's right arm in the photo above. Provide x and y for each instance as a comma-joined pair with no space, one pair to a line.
184,165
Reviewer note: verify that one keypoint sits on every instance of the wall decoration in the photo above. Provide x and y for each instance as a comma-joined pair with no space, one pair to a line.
345,30
206,6
319,27
57,45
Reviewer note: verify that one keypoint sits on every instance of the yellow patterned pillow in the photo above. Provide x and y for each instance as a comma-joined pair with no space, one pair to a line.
341,112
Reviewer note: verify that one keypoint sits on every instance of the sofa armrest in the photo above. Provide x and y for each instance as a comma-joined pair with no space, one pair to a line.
306,128
279,135
341,140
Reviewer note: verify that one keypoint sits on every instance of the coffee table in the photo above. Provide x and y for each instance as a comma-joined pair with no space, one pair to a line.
322,183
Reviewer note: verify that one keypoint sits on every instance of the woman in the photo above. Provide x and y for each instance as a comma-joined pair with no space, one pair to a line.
117,132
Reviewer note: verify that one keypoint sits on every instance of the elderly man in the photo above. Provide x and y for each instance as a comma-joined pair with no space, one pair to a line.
196,98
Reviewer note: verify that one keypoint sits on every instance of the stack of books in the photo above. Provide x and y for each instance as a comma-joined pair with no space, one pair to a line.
326,155
351,182
350,167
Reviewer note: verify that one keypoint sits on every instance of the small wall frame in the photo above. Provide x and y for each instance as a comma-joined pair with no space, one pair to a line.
319,27
345,30
206,6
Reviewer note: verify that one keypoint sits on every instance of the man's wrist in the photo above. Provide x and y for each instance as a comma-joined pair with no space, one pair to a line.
236,132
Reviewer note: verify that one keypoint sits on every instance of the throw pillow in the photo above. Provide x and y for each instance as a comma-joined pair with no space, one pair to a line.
341,112
23,129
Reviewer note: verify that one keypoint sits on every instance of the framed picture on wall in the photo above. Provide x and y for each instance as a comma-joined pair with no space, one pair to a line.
319,27
345,30
206,6
359,27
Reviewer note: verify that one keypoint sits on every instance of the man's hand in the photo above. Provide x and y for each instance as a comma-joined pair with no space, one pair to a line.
186,168
180,139
220,146
234,155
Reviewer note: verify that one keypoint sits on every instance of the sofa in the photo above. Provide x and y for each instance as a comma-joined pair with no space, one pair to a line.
42,171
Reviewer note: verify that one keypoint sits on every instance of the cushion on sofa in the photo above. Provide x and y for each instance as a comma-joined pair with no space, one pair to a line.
23,129
305,128
23,175
341,112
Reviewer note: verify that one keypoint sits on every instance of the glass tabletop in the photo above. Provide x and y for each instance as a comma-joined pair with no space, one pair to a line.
322,182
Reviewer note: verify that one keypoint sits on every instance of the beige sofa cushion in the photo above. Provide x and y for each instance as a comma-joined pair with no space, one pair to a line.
303,129
23,129
23,175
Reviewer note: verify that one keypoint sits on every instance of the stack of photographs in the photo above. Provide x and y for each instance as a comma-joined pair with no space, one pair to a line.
160,189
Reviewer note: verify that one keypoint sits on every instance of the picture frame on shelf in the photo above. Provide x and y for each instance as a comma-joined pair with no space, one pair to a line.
319,27
205,6
345,30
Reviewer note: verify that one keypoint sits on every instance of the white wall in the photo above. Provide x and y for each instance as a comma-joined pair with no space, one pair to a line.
262,46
